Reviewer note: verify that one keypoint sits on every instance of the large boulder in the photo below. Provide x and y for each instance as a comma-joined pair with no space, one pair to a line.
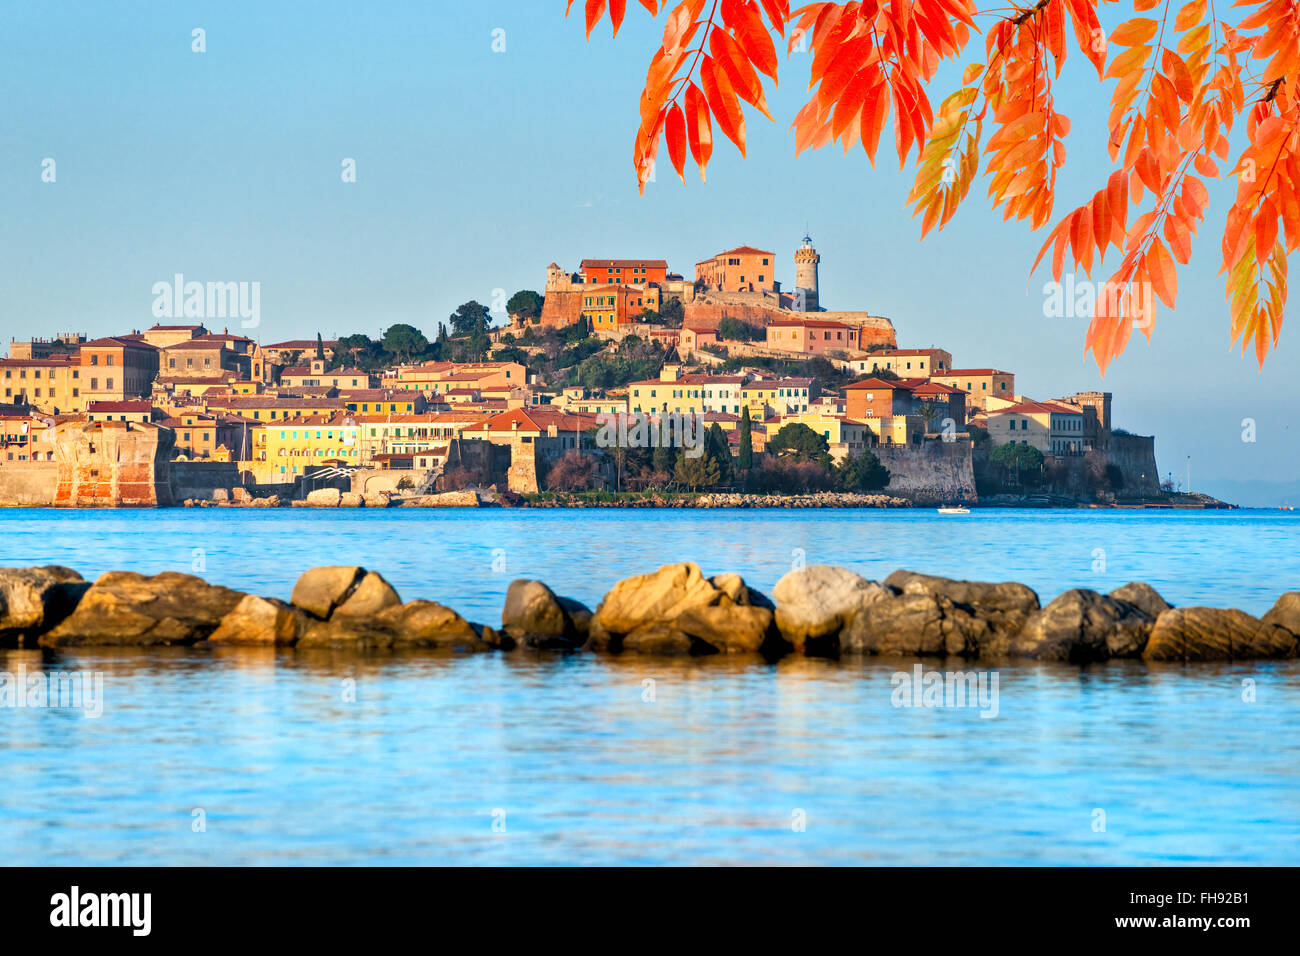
351,499
261,620
644,613
1285,613
1210,634
813,604
125,608
1143,597
33,600
739,629
415,624
535,616
1002,607
913,624
1082,626
324,498
320,590
371,595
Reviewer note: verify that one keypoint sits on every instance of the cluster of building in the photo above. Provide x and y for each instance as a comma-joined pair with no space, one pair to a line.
279,412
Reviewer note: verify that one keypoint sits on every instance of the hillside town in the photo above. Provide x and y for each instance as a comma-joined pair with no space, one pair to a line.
788,397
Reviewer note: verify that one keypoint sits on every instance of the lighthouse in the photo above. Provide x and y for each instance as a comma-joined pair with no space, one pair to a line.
805,277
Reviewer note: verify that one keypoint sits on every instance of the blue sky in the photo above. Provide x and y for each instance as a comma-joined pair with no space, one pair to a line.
475,169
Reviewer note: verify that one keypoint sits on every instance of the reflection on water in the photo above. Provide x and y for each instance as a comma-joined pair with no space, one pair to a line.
322,757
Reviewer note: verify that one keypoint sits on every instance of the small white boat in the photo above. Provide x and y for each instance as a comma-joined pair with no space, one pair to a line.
954,510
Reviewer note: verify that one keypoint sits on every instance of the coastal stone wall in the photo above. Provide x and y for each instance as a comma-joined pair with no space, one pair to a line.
202,479
819,610
28,483
929,473
876,330
1136,457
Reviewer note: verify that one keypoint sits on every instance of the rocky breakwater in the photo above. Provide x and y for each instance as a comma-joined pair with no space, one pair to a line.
818,611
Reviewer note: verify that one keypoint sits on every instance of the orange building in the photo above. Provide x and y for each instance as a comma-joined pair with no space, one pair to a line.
115,369
623,271
743,269
879,398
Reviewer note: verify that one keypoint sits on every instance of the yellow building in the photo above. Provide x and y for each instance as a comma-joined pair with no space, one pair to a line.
286,448
52,385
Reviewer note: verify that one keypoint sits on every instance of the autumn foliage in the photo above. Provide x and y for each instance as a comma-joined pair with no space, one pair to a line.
1182,78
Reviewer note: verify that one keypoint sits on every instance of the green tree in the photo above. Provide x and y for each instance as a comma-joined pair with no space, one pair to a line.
863,473
320,347
798,441
696,473
717,448
928,410
738,331
1017,458
746,457
404,342
525,304
664,458
471,317
672,312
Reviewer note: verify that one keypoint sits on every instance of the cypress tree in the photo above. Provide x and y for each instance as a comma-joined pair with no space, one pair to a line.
746,456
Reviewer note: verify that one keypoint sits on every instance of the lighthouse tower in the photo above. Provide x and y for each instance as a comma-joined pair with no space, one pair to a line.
805,276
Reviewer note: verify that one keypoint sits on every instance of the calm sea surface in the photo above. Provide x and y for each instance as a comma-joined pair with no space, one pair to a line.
258,756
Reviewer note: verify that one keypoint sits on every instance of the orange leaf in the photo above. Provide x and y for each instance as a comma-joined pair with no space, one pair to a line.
1164,276
675,135
699,130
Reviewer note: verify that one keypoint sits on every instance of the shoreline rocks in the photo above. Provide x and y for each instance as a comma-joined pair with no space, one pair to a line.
820,610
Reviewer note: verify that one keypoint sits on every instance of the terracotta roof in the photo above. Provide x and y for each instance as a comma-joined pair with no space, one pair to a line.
1037,408
739,250
111,341
143,405
818,323
959,372
622,263
880,383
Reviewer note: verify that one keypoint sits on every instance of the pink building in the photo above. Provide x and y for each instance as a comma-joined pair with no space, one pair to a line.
812,336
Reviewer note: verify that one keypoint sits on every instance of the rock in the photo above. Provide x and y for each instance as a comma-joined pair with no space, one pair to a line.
815,603
261,620
1285,613
378,499
33,600
240,495
371,595
733,585
220,494
534,616
428,624
125,608
320,590
1210,634
324,498
271,501
351,499
659,637
739,629
656,597
1143,597
447,499
416,624
913,624
1082,626
1003,607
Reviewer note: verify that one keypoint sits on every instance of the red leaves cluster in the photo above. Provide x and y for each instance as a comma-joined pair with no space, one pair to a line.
1179,86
